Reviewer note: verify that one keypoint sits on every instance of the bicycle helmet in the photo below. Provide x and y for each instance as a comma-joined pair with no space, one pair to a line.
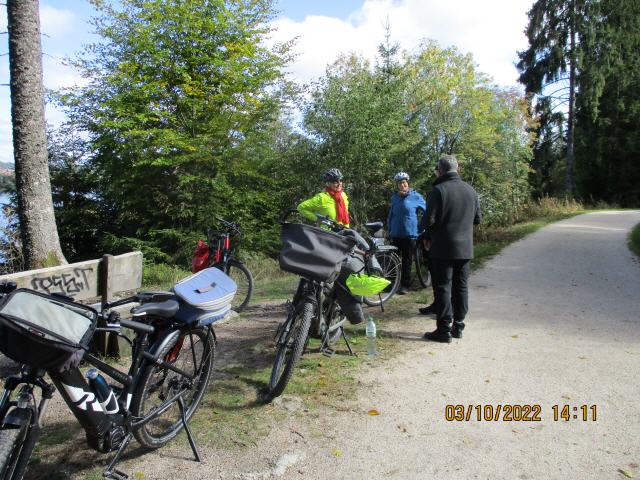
398,177
332,175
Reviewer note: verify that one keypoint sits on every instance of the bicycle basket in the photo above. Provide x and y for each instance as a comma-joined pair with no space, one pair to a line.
312,252
362,284
45,331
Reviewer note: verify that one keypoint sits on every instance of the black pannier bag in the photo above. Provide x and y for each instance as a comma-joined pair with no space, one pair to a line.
45,331
312,252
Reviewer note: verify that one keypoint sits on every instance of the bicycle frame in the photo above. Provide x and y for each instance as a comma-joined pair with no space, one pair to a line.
104,432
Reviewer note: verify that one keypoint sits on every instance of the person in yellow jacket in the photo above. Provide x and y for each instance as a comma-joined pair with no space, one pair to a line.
332,203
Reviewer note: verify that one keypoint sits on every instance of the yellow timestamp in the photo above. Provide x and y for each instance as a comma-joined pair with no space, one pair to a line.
517,413
585,413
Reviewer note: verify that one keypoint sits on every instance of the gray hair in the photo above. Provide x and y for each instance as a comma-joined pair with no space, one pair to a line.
448,163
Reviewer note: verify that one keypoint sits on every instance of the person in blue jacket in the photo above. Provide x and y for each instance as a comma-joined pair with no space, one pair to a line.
403,225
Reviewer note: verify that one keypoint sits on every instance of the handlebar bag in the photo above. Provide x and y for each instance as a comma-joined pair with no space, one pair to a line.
45,331
312,252
209,289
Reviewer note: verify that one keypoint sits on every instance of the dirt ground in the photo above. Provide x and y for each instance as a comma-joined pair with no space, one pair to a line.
553,322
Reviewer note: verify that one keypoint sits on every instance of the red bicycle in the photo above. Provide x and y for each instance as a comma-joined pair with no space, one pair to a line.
221,251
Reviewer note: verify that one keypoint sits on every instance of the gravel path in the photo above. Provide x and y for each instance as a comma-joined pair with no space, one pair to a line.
554,321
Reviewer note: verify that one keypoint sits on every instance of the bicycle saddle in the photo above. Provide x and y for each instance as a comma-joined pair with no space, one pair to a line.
166,309
373,227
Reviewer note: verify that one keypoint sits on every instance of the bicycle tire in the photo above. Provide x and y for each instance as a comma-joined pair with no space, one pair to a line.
244,280
197,344
391,270
422,272
289,351
15,451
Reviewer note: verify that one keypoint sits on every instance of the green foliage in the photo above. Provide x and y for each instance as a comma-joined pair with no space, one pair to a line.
179,100
634,240
599,40
371,122
7,184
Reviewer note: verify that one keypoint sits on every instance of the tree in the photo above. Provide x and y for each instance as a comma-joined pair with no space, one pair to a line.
608,120
180,94
551,65
39,234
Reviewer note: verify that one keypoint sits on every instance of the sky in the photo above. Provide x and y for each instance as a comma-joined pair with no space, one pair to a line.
491,30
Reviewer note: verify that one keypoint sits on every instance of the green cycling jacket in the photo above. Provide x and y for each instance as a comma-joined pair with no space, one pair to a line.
323,204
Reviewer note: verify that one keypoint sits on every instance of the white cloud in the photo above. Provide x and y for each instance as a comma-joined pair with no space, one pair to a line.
55,22
491,30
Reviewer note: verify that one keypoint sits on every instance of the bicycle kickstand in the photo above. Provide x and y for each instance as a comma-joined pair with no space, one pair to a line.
192,442
110,471
346,340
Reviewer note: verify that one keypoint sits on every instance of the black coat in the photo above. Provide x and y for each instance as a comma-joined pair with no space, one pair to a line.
453,209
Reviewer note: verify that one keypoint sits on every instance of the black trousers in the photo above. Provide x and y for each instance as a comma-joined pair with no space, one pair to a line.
450,282
406,247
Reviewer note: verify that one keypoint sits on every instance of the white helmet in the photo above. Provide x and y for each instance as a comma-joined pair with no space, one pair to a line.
398,177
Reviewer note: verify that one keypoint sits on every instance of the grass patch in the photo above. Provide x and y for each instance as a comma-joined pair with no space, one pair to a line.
634,240
233,413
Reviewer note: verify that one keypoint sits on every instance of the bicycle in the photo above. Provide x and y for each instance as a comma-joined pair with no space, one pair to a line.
315,289
223,254
173,349
420,260
390,264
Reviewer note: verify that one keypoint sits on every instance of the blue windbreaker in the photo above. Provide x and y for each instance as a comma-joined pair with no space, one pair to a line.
402,221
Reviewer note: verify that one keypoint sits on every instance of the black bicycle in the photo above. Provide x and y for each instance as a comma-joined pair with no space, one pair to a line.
304,317
223,254
171,360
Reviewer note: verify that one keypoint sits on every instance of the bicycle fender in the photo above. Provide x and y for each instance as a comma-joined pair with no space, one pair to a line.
17,417
159,344
386,248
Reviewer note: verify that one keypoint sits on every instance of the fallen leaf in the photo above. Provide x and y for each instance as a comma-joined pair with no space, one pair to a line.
336,452
514,336
566,397
634,465
373,412
487,381
626,473
582,358
431,353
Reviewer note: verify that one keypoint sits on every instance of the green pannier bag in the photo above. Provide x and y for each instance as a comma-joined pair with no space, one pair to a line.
363,284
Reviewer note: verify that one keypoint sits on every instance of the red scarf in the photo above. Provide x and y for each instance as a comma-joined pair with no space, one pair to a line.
342,215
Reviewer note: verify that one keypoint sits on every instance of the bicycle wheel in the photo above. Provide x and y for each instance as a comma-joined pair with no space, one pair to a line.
243,278
391,269
422,272
15,451
192,352
289,347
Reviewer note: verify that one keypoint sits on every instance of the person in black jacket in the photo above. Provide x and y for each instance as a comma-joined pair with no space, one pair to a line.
453,209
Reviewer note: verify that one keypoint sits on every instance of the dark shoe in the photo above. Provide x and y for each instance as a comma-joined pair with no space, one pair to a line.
455,333
402,291
430,310
438,336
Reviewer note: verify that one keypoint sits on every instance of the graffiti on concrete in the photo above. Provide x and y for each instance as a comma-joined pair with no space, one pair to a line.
69,283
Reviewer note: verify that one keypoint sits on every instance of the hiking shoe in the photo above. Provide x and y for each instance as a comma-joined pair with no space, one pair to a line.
438,336
455,333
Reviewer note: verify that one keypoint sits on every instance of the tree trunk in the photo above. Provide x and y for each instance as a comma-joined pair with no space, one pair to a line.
39,234
572,103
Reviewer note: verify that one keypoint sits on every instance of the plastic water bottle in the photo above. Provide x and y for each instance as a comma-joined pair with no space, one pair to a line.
104,394
371,336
